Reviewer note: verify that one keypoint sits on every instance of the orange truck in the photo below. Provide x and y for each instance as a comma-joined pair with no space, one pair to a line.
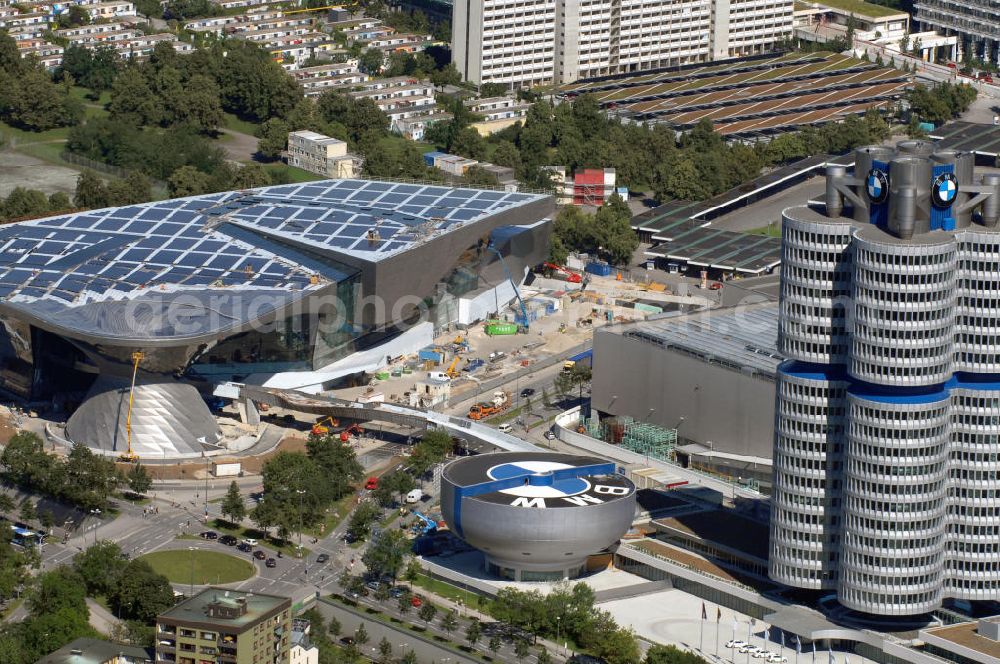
500,403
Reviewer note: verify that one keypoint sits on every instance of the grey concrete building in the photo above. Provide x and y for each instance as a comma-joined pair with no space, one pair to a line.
709,374
888,409
975,22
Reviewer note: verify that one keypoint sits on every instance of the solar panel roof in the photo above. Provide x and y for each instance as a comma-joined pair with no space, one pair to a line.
231,240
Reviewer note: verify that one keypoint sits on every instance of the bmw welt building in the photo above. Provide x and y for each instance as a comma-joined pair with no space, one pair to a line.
290,286
886,458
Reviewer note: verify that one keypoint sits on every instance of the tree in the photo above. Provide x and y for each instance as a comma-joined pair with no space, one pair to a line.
22,203
448,75
413,571
57,614
141,593
617,240
385,650
361,635
233,505
544,657
7,503
101,567
405,602
661,654
382,593
250,176
133,188
273,138
371,61
450,622
28,512
264,515
361,519
59,202
386,553
337,460
521,649
203,108
138,479
32,101
494,644
427,612
473,632
409,657
91,191
188,181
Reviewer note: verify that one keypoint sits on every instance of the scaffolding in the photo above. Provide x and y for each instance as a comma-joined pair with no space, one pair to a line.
640,437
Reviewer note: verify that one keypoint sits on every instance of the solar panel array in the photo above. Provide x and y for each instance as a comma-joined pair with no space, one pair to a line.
400,215
737,337
181,243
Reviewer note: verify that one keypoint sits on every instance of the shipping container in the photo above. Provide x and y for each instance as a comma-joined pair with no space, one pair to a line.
226,469
501,329
600,268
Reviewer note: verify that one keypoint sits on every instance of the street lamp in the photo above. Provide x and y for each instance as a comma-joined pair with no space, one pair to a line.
300,492
191,554
558,618
96,512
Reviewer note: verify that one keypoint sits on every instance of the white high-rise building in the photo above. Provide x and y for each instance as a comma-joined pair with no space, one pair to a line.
561,41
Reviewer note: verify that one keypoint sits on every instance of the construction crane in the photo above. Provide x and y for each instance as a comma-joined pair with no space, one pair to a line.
320,428
130,456
510,277
450,371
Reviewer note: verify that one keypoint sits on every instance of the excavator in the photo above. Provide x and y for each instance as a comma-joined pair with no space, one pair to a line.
345,435
320,428
571,277
129,456
451,372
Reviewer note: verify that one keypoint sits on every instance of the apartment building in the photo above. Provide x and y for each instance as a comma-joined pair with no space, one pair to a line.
975,22
497,113
226,625
322,155
95,651
302,651
505,41
565,40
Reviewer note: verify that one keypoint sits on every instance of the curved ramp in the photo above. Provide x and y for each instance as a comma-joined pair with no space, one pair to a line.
385,412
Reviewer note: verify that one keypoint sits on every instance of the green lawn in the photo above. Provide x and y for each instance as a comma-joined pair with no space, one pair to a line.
240,125
22,136
454,593
208,566
81,93
293,174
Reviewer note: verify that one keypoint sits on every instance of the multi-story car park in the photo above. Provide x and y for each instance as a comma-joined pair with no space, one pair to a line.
975,22
561,41
888,409
750,96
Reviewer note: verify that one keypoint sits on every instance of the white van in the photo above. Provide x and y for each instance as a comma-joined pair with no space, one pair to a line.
414,496
505,428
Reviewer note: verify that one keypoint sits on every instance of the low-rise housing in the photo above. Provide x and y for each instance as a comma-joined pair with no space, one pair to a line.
415,127
320,154
302,651
96,651
497,113
590,186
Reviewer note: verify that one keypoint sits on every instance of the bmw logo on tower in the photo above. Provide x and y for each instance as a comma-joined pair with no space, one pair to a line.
944,190
877,186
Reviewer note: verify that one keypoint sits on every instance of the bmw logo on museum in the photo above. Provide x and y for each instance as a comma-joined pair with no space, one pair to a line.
537,515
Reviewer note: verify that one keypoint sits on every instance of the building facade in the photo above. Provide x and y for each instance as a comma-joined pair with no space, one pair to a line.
561,41
322,155
888,409
975,22
226,626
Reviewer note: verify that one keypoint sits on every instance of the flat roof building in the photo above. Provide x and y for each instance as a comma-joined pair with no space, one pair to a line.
96,651
230,625
322,155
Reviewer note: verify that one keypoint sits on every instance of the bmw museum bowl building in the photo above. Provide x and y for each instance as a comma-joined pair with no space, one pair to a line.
536,516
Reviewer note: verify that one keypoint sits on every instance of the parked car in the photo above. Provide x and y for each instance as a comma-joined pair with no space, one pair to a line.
249,540
416,602
777,659
371,483
271,562
347,640
244,547
735,643
397,591
322,558
527,392
228,540
763,654
550,434
748,649
259,555
210,535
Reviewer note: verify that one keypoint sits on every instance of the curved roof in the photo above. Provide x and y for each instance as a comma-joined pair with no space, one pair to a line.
192,267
